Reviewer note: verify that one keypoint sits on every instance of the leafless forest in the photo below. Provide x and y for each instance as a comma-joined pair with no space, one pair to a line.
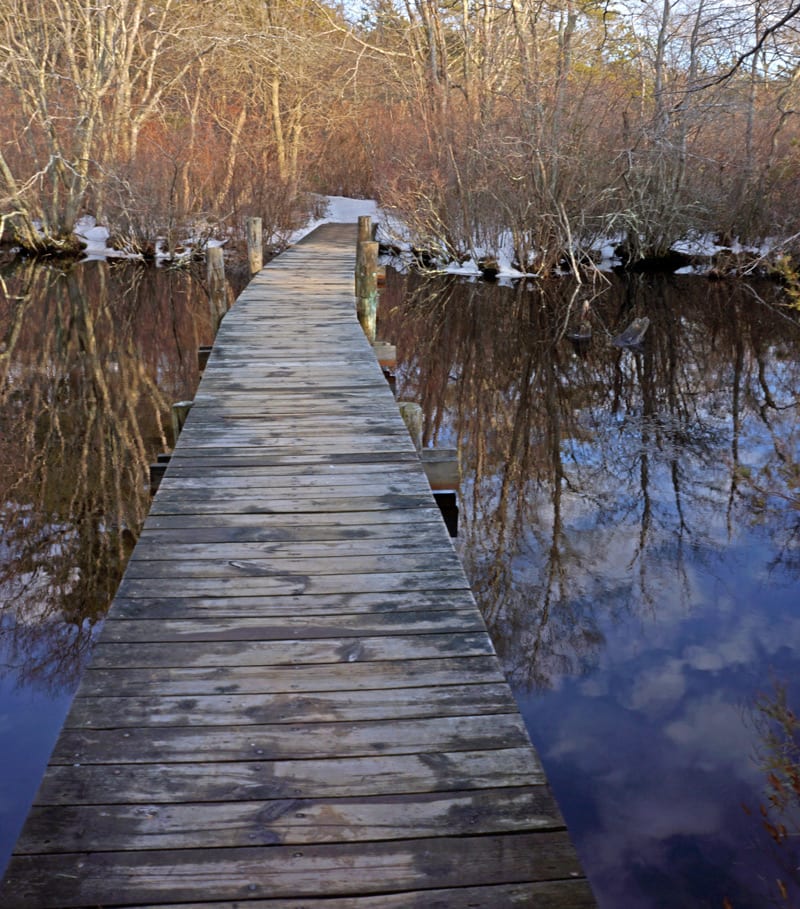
557,120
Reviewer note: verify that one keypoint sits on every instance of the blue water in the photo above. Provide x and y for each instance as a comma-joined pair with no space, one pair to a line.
630,523
30,719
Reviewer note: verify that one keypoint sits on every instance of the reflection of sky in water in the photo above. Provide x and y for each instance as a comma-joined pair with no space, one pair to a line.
87,347
642,611
649,753
650,750
30,719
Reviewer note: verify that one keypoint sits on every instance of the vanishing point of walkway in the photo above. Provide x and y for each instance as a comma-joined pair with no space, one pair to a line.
294,701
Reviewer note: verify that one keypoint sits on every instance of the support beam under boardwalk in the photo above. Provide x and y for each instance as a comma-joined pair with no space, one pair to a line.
294,701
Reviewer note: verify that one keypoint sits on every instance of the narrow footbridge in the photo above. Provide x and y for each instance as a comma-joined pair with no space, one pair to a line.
294,701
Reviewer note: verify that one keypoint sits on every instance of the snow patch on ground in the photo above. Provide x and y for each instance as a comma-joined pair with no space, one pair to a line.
95,238
392,231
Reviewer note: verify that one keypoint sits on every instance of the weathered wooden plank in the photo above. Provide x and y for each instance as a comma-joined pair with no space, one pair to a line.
264,606
183,744
417,491
319,565
251,436
281,584
154,709
406,480
562,894
191,680
206,420
282,628
290,652
188,474
290,821
257,456
427,539
302,526
135,784
312,504
109,878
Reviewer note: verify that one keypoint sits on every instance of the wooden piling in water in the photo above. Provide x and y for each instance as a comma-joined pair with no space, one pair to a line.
364,228
412,417
217,291
180,411
255,246
367,286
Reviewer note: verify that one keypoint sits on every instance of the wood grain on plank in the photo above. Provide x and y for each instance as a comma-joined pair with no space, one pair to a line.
222,678
182,744
309,707
109,878
293,821
564,894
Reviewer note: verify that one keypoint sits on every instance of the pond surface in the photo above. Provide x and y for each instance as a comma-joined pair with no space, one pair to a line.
91,359
630,523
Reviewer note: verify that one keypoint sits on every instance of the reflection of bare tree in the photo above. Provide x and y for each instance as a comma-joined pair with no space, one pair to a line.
82,368
590,469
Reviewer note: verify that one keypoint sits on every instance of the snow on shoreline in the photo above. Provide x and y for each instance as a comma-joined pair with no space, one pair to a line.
392,231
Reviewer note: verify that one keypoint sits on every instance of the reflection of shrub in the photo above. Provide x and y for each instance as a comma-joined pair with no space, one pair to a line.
779,758
787,272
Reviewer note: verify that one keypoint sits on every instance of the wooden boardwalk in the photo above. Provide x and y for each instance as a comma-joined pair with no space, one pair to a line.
294,701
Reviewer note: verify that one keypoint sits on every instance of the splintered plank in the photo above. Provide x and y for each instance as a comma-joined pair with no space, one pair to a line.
294,701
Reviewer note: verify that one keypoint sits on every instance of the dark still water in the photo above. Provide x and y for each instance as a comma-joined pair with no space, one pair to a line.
630,522
91,359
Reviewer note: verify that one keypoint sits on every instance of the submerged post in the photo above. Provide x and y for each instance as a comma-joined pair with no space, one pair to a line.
217,291
255,248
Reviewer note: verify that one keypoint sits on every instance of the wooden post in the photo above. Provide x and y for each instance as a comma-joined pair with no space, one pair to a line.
203,353
367,286
255,247
217,291
364,228
180,411
412,417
